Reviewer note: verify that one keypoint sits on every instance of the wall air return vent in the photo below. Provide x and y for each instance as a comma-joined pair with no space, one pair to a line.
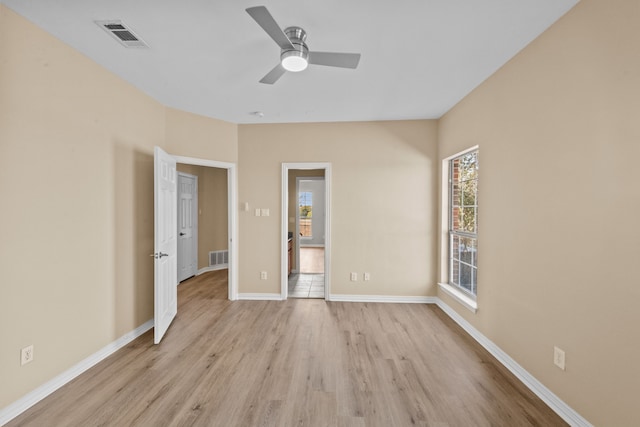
219,259
122,33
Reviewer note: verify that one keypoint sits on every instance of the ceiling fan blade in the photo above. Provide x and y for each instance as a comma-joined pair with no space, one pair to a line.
334,59
273,75
266,21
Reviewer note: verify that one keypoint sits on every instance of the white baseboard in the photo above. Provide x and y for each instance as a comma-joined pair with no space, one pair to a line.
383,298
554,402
16,408
259,297
212,268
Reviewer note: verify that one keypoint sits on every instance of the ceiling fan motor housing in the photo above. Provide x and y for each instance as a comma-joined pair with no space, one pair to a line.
297,36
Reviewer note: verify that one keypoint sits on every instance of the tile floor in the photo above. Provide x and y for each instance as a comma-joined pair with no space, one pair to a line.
306,286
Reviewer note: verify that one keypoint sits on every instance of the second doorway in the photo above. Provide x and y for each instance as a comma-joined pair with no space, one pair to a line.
307,212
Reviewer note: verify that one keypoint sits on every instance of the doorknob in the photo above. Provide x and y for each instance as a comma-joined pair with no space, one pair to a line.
182,234
158,256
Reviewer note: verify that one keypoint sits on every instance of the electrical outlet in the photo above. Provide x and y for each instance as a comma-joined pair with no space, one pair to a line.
366,277
265,212
354,277
26,355
263,275
558,357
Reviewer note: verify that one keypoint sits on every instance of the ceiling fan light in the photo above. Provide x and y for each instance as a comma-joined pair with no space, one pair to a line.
294,61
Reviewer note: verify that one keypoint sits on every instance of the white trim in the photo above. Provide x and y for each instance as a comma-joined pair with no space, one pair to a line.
546,395
234,257
259,297
311,245
204,162
232,198
284,277
461,153
383,299
16,408
459,296
212,268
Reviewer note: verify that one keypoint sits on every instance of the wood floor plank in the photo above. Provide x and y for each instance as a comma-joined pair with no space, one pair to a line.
300,362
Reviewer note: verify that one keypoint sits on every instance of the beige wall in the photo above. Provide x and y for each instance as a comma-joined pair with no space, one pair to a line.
559,135
212,210
191,135
76,225
383,210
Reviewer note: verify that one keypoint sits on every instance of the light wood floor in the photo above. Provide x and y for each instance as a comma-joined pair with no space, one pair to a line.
312,260
296,362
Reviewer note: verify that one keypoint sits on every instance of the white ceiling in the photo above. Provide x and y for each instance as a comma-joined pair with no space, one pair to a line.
419,57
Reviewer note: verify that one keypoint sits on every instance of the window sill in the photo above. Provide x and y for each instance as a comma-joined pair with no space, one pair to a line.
463,299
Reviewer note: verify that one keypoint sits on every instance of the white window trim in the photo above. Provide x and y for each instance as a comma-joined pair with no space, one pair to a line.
443,283
459,296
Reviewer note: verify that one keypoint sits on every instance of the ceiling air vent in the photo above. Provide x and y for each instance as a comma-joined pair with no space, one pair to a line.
122,33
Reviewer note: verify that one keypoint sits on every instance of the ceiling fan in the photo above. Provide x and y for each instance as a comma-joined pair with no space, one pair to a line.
295,55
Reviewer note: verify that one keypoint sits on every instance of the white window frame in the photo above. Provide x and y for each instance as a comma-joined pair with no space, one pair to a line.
310,236
463,297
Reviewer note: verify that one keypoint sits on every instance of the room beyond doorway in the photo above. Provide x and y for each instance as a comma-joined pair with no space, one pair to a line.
232,215
309,283
312,260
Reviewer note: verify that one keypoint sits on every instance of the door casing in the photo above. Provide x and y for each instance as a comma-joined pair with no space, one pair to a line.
286,167
232,206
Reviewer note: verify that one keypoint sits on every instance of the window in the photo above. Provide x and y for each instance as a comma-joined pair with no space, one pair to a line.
305,211
463,222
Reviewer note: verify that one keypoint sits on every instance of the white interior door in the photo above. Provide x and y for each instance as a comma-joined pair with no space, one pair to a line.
187,226
165,242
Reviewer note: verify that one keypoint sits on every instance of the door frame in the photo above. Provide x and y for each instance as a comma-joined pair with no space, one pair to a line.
194,218
286,167
232,207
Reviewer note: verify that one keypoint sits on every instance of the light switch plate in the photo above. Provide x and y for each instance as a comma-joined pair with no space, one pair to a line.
558,358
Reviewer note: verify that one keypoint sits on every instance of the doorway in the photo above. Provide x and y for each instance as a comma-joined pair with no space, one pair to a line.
217,217
306,222
202,220
165,234
307,281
